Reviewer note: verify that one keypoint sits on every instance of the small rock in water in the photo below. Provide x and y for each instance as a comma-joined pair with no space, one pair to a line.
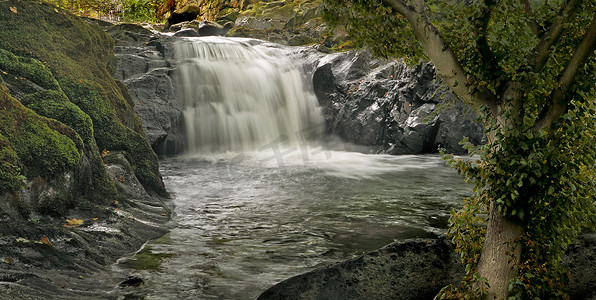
133,280
187,32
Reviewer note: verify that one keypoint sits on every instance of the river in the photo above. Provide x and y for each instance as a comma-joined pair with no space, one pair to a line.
244,223
257,199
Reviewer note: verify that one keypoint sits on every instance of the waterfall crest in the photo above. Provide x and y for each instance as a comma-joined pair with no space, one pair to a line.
240,97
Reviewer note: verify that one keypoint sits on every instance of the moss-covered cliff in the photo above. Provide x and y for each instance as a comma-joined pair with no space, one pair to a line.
60,108
75,167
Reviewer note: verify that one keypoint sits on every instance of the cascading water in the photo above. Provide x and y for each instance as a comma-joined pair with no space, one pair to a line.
240,97
245,222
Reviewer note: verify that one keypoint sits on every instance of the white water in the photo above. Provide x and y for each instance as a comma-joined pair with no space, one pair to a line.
252,211
241,97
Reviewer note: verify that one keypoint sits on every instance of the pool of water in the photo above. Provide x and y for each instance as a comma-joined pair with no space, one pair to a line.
244,222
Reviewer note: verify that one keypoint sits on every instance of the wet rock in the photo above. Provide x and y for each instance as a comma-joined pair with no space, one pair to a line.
187,33
146,65
412,269
389,108
132,280
207,28
415,269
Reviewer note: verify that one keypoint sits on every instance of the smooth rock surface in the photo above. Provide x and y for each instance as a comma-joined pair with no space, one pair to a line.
415,269
146,65
412,269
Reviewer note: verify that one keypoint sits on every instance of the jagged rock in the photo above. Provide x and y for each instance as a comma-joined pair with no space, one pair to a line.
387,107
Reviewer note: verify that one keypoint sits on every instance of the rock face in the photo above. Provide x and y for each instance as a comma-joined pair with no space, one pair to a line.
414,269
386,107
378,106
287,22
79,184
145,64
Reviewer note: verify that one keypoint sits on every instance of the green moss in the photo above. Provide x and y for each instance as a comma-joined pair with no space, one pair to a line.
54,104
11,177
28,68
44,147
78,55
146,259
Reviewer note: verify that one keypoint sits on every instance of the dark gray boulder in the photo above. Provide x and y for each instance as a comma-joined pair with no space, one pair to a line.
412,269
389,108
146,65
416,269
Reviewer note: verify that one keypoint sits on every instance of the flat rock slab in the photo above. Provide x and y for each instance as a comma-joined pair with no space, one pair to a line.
412,269
415,269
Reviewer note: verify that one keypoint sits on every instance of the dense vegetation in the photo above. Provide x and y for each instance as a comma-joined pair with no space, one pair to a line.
529,68
124,10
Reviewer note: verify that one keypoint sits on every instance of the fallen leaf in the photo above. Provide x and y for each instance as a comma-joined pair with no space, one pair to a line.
45,240
94,219
164,214
62,285
13,9
73,222
22,240
81,277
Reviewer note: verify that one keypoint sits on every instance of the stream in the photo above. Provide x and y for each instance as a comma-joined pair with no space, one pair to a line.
243,222
257,199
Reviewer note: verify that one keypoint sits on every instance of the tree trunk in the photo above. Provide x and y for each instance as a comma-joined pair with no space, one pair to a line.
500,254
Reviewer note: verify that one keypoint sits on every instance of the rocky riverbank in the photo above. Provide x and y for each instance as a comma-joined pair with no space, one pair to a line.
79,184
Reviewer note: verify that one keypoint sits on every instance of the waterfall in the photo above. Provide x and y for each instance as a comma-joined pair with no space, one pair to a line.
240,95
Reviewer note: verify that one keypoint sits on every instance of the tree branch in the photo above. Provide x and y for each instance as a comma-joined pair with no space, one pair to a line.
447,66
543,48
533,25
491,64
559,100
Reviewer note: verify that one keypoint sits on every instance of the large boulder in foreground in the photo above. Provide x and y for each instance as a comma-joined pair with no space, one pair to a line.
415,269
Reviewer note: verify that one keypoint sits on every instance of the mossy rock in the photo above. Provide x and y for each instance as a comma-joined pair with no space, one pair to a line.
41,42
44,147
28,68
54,104
11,177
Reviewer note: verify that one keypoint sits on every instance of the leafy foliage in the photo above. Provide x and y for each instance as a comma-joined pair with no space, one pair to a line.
374,25
530,59
125,10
